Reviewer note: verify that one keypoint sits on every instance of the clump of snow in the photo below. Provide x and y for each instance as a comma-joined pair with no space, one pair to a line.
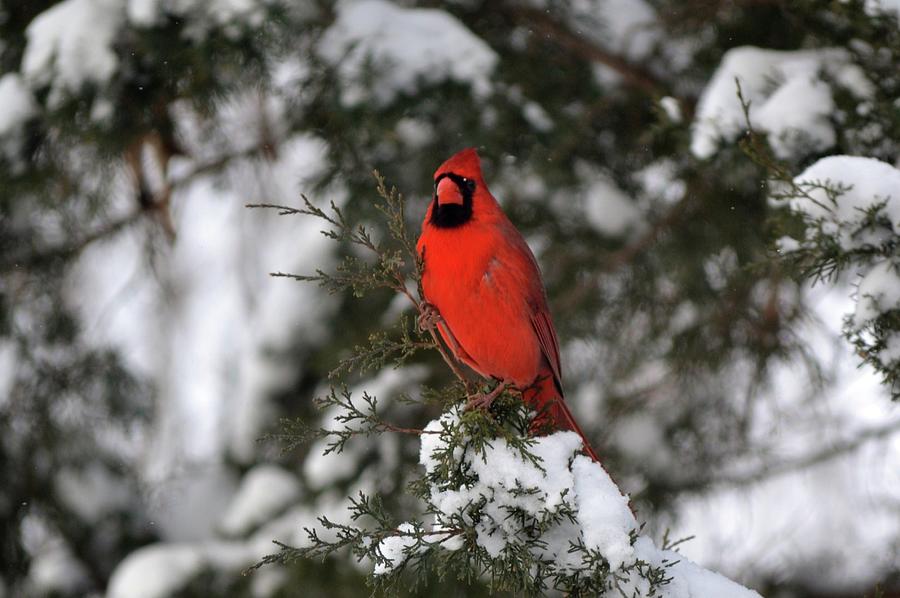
875,7
92,493
835,193
796,117
602,510
537,117
506,483
407,46
265,491
8,360
609,209
626,27
395,549
188,504
606,207
567,490
878,292
789,100
658,181
16,107
155,571
231,15
414,132
631,29
641,435
672,109
54,570
720,267
71,44
143,12
687,580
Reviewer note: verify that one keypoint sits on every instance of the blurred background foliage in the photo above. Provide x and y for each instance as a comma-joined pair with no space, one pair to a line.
143,349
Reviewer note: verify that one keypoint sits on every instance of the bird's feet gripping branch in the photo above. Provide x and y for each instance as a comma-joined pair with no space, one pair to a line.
484,400
429,317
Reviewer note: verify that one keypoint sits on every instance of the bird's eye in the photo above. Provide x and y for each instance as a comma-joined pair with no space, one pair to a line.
470,184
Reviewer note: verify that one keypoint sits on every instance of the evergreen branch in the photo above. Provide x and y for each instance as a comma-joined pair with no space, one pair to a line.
382,347
388,271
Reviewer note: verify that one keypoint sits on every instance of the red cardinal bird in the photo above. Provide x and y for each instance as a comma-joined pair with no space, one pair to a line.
483,281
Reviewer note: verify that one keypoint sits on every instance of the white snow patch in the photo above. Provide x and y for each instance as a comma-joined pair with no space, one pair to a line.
395,549
8,361
658,181
92,493
54,570
720,267
788,99
672,109
265,491
796,117
407,46
16,107
501,481
640,436
688,580
603,512
626,27
891,350
859,184
155,571
143,12
874,7
879,292
537,117
70,45
608,209
231,15
187,506
415,132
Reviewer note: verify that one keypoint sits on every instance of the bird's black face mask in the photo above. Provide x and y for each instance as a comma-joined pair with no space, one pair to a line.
450,214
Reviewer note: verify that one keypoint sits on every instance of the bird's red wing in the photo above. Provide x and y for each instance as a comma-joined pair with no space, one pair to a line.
546,334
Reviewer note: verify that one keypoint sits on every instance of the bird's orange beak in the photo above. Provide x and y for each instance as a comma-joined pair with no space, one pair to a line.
448,192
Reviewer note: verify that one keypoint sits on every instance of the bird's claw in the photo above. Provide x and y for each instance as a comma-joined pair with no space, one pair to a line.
483,401
429,317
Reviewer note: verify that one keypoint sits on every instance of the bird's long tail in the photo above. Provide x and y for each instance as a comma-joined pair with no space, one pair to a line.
552,412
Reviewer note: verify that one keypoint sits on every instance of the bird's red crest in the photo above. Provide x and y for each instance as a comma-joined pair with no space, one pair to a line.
465,163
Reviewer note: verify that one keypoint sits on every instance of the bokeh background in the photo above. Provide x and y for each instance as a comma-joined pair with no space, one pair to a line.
145,350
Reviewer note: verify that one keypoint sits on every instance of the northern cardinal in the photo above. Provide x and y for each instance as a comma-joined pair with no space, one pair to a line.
486,295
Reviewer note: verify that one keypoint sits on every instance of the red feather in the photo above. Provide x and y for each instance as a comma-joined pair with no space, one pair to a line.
486,284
